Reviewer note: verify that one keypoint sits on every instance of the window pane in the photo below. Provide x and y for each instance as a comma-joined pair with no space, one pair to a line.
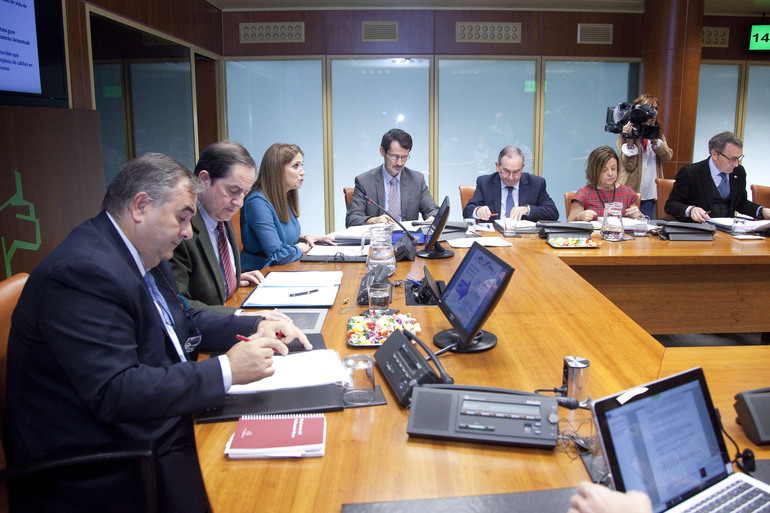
484,105
280,101
717,100
369,97
756,145
577,96
161,101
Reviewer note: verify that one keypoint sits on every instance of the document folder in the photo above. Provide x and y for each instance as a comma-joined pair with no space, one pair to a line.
677,230
548,229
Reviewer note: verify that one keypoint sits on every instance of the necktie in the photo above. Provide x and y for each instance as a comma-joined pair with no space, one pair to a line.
159,299
394,200
509,201
724,186
226,262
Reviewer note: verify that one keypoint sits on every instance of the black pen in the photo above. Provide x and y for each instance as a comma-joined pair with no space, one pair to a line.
305,293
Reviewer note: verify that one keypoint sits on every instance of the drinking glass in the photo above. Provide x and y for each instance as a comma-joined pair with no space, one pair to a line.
739,226
379,298
358,380
640,226
470,227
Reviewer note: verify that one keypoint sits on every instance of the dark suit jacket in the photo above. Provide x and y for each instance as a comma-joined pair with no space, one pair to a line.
694,186
197,271
415,198
90,362
531,192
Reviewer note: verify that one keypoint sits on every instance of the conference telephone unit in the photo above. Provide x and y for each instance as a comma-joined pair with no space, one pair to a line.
379,273
403,366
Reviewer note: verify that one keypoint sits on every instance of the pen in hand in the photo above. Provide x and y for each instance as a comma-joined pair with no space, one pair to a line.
304,293
246,339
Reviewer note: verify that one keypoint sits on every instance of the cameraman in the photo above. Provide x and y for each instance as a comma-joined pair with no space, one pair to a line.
640,159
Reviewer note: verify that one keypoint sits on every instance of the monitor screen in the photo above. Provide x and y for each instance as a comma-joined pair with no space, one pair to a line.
32,61
470,297
759,39
432,247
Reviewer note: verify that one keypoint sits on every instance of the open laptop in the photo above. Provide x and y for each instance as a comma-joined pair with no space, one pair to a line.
664,439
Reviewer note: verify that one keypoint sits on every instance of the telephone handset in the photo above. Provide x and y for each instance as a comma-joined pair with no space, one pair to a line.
404,367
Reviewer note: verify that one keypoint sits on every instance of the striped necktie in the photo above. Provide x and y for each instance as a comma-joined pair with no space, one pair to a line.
226,262
394,200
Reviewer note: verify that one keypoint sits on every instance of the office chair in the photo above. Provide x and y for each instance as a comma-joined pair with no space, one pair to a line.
760,194
140,454
236,220
466,193
348,192
664,186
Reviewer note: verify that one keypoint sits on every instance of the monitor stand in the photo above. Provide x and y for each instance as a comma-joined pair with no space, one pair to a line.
438,251
483,341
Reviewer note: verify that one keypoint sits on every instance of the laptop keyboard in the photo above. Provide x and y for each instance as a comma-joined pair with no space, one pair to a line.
739,497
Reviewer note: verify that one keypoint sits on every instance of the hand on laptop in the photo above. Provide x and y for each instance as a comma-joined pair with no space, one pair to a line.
593,498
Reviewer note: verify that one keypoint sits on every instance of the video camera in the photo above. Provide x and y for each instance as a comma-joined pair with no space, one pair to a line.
638,115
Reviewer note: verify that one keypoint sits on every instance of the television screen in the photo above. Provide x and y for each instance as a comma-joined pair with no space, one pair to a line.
760,37
32,61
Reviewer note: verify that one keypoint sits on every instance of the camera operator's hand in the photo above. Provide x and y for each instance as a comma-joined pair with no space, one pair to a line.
627,130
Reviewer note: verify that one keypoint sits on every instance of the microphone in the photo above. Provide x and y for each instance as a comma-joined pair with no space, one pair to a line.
404,249
370,200
568,402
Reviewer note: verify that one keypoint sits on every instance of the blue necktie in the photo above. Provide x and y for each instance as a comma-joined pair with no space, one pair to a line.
159,299
724,186
509,201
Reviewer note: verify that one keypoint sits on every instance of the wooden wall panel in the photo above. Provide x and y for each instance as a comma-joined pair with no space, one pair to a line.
57,154
560,31
206,101
739,39
315,33
531,33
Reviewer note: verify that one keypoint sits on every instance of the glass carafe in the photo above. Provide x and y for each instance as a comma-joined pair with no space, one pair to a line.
380,247
612,225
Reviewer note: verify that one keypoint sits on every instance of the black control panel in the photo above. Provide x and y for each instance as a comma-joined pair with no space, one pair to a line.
403,366
491,416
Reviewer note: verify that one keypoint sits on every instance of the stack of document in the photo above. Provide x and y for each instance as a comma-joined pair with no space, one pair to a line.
296,370
295,288
726,224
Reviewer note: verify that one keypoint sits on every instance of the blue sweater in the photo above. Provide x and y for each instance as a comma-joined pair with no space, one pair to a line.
266,240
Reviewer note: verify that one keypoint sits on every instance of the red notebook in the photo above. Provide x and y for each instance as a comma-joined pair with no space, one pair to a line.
278,436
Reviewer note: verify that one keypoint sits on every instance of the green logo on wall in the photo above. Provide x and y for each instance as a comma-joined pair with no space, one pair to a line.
24,211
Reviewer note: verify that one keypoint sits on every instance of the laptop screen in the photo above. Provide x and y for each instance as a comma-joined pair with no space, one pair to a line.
663,439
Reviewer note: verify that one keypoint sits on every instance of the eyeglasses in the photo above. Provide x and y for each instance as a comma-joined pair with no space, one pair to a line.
733,160
397,158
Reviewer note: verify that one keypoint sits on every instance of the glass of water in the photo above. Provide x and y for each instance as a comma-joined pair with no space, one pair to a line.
470,227
379,298
640,226
739,226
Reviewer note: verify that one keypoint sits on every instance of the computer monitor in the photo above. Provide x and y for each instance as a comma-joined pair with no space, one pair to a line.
469,298
432,248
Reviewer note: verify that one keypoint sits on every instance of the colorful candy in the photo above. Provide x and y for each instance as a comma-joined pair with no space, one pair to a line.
370,331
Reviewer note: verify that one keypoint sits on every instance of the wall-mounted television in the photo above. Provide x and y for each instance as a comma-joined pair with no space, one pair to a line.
32,58
760,37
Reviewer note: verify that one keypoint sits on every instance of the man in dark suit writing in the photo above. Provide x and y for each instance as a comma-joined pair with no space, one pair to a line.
510,192
400,190
102,350
715,187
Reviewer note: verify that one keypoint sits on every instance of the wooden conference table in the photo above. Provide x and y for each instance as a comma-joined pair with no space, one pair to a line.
548,312
719,286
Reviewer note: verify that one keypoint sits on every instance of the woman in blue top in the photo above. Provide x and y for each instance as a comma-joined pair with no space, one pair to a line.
270,231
